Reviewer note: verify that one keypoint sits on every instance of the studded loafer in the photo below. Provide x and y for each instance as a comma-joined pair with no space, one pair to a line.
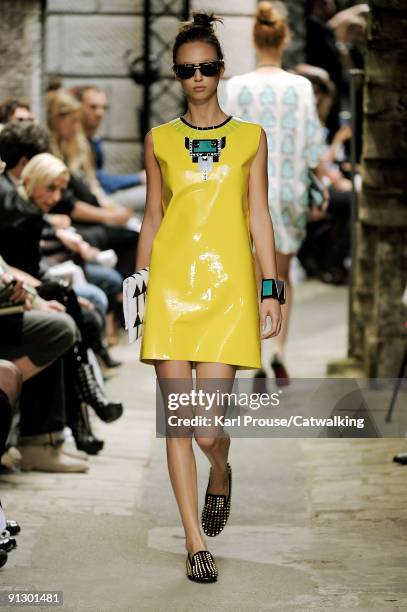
201,567
216,510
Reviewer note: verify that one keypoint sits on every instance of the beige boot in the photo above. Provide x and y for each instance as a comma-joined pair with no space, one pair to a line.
11,458
72,452
48,458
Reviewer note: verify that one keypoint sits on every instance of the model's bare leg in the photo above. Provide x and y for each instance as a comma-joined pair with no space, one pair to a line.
180,456
215,442
283,267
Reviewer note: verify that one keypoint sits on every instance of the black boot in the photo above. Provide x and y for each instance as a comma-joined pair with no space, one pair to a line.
107,359
84,437
77,417
88,390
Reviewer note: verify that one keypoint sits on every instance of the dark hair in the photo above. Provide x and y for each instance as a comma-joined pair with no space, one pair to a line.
54,83
200,29
8,108
270,28
22,139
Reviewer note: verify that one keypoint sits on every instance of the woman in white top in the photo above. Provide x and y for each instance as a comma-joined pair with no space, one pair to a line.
283,103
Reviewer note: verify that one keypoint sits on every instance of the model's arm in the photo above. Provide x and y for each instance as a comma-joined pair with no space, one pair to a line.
153,213
261,228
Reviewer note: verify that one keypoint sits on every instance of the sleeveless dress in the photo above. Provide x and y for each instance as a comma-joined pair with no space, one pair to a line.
202,299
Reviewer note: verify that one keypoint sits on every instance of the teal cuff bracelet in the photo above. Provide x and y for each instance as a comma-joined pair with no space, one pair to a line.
274,288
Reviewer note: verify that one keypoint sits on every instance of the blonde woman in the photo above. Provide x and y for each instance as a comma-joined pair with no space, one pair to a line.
68,141
283,103
43,179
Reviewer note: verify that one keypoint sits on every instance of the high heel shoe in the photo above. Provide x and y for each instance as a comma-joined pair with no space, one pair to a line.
216,509
259,384
84,437
201,567
88,390
107,359
280,372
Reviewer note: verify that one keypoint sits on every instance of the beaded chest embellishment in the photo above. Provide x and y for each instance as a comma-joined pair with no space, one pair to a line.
204,152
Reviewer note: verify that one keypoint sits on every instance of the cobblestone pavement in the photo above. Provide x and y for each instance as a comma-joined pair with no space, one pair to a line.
316,524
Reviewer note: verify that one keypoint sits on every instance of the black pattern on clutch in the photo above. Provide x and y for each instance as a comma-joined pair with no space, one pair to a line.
134,299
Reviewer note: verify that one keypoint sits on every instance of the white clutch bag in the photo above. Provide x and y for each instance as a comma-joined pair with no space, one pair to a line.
134,299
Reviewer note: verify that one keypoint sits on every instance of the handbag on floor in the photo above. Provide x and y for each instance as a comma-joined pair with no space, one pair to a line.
134,298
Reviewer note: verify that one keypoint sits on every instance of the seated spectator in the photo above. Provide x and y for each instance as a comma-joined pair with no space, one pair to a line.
97,219
79,385
19,142
34,340
19,222
330,236
23,223
68,141
15,110
350,31
349,27
125,188
321,50
43,178
10,390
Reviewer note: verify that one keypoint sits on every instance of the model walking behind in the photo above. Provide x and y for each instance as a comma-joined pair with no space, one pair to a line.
283,103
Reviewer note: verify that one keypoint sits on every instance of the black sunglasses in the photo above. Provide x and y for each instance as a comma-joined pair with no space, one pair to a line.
208,69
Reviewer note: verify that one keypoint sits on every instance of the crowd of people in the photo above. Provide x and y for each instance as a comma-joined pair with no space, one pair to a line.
69,229
65,246
68,236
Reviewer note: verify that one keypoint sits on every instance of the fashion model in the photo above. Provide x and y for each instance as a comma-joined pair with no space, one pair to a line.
283,104
206,206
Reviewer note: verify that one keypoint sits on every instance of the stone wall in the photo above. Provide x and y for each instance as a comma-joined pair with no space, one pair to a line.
86,41
381,257
21,50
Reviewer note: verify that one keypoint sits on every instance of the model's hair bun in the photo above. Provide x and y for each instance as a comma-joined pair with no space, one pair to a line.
204,20
270,27
199,29
201,21
265,14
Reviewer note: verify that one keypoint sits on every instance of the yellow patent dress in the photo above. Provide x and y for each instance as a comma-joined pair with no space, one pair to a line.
202,301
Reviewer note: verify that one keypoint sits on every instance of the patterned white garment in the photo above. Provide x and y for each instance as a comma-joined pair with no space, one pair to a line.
283,103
